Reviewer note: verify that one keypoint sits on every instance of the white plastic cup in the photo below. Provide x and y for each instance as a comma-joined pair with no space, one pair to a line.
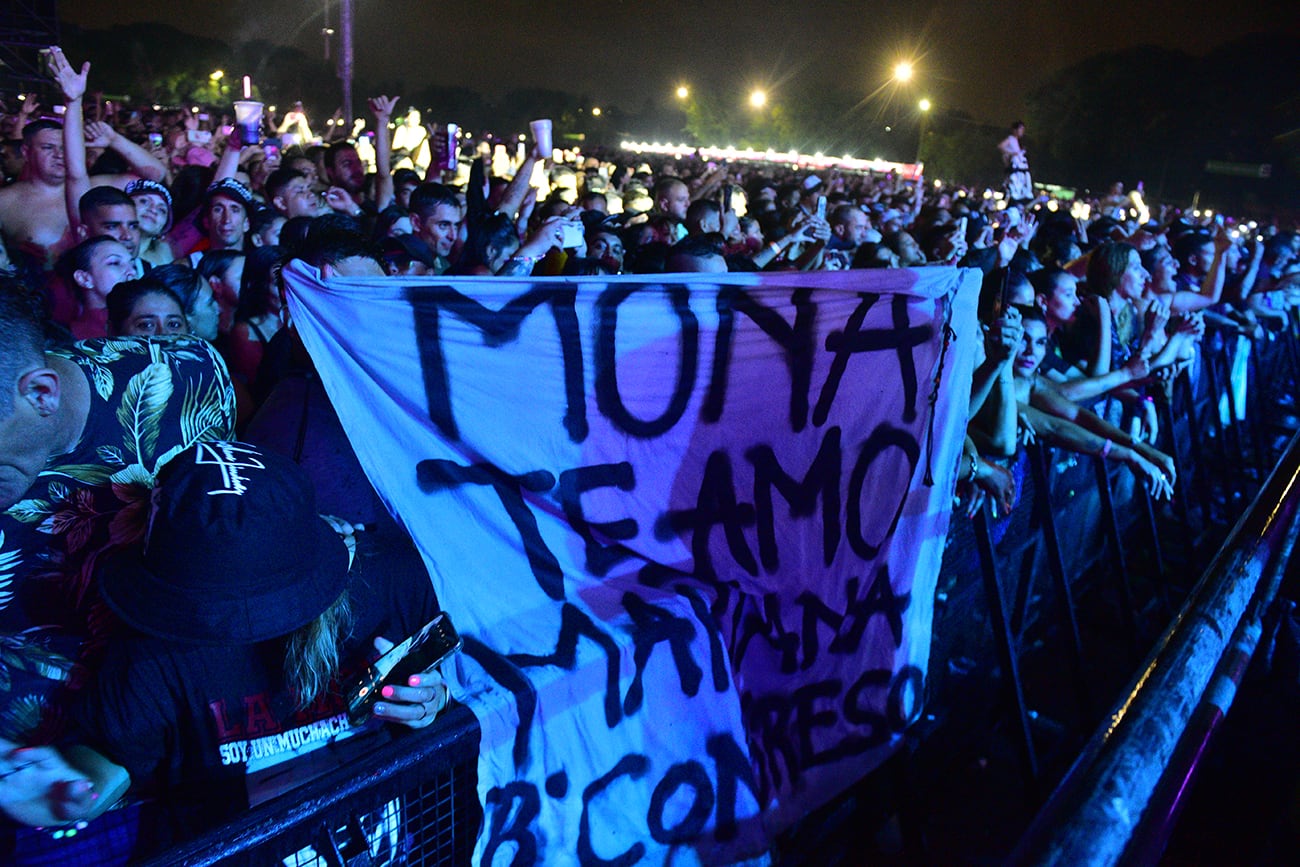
248,118
542,138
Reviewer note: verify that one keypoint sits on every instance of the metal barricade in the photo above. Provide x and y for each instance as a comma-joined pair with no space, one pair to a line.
1119,802
413,801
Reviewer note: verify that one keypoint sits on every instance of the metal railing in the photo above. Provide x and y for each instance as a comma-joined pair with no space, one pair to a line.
1119,801
412,801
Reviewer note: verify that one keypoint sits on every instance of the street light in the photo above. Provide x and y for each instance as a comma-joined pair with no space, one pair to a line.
903,71
683,91
216,75
758,98
924,105
595,111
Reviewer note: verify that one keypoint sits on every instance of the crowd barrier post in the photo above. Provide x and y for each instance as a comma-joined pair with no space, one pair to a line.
1187,396
1217,429
1254,387
1038,465
1187,477
1115,540
1008,654
1157,551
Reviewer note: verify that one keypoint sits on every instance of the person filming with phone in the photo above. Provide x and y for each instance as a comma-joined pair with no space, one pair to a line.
252,617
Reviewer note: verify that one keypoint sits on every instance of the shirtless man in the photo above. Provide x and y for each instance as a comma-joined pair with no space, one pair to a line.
34,209
33,217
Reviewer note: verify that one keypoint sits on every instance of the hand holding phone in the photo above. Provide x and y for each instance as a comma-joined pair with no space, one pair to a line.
571,235
436,641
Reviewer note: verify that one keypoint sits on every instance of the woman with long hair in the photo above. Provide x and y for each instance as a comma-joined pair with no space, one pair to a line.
249,619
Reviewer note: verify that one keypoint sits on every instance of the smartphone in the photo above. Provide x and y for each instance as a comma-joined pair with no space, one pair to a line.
961,228
155,139
271,151
47,62
571,235
821,207
435,641
198,136
726,198
203,115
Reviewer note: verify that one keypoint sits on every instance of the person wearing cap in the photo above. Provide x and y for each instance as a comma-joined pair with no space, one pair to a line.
153,209
251,618
224,218
408,256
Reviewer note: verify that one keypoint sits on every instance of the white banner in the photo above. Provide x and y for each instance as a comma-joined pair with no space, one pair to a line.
684,523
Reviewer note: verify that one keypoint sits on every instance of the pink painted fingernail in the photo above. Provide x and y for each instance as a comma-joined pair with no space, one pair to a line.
386,692
415,680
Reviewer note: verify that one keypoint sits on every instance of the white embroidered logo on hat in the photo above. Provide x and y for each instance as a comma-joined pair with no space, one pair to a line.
231,458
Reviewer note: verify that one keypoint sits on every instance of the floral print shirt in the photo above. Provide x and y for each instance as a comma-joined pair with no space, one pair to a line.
150,398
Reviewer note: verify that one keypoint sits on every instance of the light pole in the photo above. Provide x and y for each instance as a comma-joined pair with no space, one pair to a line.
345,58
924,105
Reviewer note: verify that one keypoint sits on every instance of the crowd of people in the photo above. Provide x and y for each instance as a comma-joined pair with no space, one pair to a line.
120,228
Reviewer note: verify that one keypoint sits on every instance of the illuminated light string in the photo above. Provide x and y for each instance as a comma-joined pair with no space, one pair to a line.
910,171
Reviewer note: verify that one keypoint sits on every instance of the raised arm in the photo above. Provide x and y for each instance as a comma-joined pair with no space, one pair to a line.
229,163
1084,388
143,164
1211,289
518,188
993,392
73,85
382,107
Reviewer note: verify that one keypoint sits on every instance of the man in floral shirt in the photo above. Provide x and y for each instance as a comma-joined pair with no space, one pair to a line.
83,431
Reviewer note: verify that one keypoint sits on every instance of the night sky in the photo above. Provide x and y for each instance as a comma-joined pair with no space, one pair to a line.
980,57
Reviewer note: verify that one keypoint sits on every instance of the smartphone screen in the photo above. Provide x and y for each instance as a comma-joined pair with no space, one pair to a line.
435,641
821,207
155,139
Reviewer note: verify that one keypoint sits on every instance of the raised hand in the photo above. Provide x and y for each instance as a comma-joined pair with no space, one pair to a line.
72,82
382,107
99,134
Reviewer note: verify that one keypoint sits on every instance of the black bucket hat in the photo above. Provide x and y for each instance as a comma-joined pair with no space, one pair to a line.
235,551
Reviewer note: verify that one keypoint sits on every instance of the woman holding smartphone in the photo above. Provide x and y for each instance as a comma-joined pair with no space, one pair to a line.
250,616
